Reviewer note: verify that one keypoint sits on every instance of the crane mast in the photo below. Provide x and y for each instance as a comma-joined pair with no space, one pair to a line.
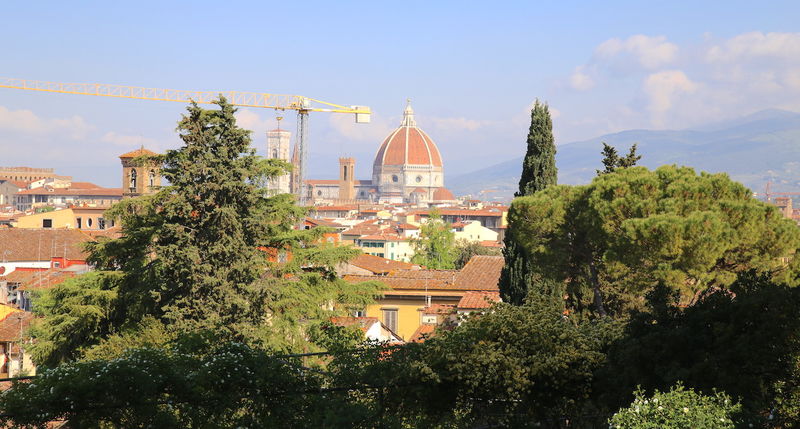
303,106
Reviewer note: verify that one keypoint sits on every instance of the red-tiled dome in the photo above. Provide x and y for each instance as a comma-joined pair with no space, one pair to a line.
408,145
443,194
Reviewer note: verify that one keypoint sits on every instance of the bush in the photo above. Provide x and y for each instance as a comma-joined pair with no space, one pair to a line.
678,408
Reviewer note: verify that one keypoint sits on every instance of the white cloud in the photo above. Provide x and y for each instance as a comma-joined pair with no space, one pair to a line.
580,80
27,122
649,52
448,125
663,87
127,140
756,46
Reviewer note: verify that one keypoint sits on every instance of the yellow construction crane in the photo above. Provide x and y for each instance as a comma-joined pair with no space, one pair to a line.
303,106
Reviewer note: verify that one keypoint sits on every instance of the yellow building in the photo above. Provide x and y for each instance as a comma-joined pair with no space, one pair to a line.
415,299
472,230
83,218
389,246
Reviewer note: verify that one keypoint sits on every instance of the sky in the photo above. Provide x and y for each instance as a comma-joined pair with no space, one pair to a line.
471,69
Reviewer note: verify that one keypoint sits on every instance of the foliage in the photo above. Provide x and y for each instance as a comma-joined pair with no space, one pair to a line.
465,250
614,239
515,365
72,316
677,409
538,172
744,341
612,161
194,384
539,166
200,254
44,209
435,247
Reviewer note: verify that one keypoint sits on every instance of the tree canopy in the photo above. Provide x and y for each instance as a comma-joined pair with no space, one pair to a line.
210,251
625,232
612,161
435,248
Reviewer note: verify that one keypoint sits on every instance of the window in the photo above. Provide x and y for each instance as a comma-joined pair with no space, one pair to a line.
47,223
360,313
419,179
79,222
56,264
390,319
319,193
152,178
394,178
101,223
133,179
89,222
429,319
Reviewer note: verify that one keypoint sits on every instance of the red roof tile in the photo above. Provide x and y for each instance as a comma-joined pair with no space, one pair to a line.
137,153
378,265
482,272
46,190
422,333
18,244
477,300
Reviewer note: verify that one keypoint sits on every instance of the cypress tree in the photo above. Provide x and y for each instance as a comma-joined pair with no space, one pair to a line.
538,172
539,166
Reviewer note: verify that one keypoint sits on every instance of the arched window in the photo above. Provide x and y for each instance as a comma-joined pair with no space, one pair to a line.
152,178
274,153
133,178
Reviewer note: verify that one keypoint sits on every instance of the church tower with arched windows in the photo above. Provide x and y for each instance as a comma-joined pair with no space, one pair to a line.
278,142
139,177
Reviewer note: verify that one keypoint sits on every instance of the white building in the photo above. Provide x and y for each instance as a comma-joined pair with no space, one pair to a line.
278,147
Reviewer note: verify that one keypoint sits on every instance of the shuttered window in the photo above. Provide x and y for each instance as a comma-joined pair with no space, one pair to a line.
390,319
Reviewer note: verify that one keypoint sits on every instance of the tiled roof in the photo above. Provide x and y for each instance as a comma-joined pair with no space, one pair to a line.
407,226
324,222
379,265
321,182
18,244
443,194
335,208
138,153
408,145
454,211
422,333
475,300
46,190
490,243
84,185
13,324
363,323
438,309
482,272
43,279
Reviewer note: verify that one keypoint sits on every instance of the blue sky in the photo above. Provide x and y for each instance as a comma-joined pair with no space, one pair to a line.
472,70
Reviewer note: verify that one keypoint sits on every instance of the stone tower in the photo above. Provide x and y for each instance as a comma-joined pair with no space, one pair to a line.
139,178
347,188
278,144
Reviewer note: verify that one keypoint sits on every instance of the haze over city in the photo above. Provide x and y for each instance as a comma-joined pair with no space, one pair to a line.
471,69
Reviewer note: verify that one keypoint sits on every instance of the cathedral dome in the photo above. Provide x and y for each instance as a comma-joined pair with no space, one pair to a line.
408,145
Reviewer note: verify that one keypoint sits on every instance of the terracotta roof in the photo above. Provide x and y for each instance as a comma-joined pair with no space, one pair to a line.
13,324
408,145
335,208
17,244
84,185
363,323
419,191
17,183
453,211
482,272
407,226
443,194
324,222
383,237
46,190
476,300
40,279
114,232
490,243
321,182
138,153
378,265
438,309
422,333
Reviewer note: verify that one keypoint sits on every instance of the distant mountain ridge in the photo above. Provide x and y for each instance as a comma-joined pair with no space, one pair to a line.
752,149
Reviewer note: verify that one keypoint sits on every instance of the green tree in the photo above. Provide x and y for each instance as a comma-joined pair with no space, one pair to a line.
538,172
435,248
196,255
677,409
625,232
539,166
744,340
466,249
612,160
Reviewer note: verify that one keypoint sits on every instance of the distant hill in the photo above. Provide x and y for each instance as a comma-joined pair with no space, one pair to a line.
751,149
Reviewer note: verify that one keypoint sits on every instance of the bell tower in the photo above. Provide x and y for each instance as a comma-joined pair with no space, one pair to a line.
139,176
347,189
